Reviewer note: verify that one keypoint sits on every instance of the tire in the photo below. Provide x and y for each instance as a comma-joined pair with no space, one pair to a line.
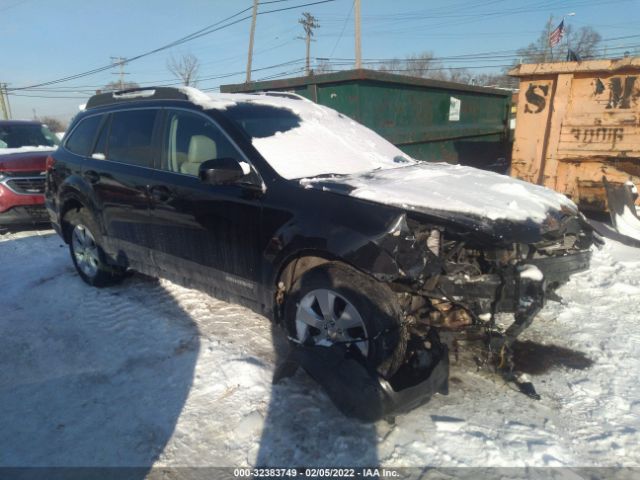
88,256
358,311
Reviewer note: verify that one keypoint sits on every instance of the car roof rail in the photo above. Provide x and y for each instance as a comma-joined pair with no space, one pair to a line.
136,94
272,93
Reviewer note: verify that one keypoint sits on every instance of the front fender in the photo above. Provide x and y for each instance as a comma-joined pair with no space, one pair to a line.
390,252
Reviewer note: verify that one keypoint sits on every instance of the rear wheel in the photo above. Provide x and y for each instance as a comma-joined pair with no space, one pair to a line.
336,304
88,256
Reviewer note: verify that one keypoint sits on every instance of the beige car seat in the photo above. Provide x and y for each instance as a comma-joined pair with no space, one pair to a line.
201,148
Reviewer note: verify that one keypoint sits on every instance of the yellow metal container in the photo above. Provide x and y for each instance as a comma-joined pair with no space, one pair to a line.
577,122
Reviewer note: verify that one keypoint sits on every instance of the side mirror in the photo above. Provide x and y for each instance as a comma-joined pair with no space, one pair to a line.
221,171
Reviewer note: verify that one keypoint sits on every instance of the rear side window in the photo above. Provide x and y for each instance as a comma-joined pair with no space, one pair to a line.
82,137
100,150
131,136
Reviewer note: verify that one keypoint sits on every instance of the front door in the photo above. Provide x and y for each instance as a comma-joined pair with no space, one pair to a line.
202,233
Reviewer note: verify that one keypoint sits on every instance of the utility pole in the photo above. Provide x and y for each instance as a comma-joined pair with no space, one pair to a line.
309,23
5,111
120,61
253,31
358,34
6,99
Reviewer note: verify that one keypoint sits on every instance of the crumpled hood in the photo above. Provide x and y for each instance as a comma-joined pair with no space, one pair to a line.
485,200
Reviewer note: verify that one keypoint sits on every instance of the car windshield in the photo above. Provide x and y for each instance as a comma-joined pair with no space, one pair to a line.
21,135
302,139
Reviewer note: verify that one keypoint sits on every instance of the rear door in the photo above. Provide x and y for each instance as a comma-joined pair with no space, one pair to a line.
202,232
120,170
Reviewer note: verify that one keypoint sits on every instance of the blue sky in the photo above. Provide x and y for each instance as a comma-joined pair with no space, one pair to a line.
44,40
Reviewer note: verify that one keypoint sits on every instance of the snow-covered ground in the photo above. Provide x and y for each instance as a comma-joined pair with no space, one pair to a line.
148,372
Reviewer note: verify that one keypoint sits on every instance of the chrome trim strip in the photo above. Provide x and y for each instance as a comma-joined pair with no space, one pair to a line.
5,181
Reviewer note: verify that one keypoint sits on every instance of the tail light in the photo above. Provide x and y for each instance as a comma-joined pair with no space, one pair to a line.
50,163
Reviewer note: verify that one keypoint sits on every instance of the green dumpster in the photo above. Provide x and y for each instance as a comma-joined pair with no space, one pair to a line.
428,119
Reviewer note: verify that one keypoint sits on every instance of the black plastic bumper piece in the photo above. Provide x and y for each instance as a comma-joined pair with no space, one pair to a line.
558,270
25,215
360,392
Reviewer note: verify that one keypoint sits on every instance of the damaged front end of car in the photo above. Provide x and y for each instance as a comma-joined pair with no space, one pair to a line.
447,279
450,279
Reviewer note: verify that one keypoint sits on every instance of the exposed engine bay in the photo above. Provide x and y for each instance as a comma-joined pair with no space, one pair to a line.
448,282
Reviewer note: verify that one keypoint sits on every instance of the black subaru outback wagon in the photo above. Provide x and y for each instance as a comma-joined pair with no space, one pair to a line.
361,253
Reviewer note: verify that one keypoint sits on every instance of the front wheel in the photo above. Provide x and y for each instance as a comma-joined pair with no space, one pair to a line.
336,304
88,256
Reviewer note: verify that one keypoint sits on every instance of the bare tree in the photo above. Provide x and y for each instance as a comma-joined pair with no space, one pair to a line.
583,41
426,65
498,80
115,85
185,68
54,124
417,65
458,75
395,65
323,66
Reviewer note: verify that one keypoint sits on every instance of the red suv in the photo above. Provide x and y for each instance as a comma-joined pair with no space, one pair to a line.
24,147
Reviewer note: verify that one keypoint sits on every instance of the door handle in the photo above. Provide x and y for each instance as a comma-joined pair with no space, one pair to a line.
92,176
160,193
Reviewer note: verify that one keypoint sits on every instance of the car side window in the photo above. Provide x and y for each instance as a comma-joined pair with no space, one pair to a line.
100,150
191,139
130,138
82,137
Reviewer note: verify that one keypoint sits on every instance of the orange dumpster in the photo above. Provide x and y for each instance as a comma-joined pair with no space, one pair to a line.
577,122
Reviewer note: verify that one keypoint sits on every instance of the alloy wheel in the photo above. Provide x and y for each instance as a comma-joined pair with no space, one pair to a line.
85,250
326,318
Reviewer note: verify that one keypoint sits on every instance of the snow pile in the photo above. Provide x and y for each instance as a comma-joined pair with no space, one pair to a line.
453,188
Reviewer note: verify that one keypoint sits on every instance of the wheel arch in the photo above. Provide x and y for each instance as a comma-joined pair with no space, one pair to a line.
296,265
71,198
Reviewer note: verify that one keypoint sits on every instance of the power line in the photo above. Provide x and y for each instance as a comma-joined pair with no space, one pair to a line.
169,83
220,25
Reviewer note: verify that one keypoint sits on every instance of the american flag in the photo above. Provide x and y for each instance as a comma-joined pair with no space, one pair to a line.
556,35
